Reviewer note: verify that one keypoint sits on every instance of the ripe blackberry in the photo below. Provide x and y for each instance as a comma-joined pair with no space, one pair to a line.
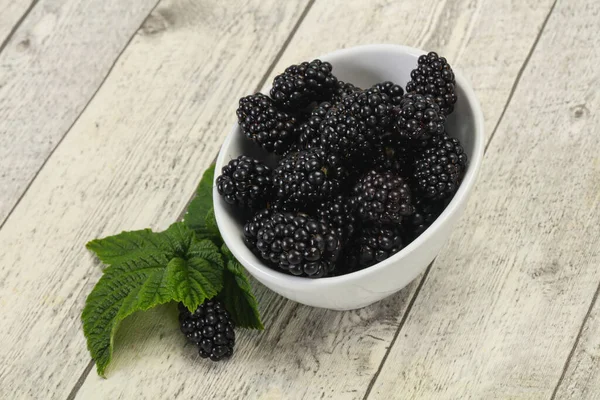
342,89
210,328
434,77
294,242
393,91
425,213
418,117
371,245
246,183
353,126
382,198
393,157
308,132
264,124
302,84
438,168
338,213
308,176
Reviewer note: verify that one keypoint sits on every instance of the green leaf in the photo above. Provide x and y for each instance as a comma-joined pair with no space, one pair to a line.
237,294
166,266
212,230
195,217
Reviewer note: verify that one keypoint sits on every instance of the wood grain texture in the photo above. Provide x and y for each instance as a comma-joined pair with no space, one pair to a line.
311,353
131,160
11,11
500,310
49,70
582,377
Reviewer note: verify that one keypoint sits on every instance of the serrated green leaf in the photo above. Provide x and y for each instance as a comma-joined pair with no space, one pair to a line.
237,294
195,217
180,268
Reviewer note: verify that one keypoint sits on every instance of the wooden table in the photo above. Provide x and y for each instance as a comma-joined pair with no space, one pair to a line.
110,110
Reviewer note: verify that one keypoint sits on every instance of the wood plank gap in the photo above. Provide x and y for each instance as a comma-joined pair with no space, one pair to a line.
576,343
402,322
76,119
17,25
520,73
284,46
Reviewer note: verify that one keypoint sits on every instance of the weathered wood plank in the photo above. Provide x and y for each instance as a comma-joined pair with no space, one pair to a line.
49,70
11,11
131,160
503,303
582,377
310,353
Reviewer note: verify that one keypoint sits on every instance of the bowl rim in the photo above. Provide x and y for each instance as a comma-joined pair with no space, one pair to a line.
285,280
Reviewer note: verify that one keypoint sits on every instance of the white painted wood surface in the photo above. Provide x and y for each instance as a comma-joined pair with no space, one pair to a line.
49,70
501,308
131,160
11,11
134,156
310,353
582,377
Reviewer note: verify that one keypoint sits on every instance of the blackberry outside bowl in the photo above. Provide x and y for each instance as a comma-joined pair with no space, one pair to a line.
363,66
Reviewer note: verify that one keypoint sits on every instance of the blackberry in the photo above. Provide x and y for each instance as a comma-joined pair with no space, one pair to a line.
353,126
246,183
418,117
382,198
371,245
308,132
308,176
338,213
438,169
264,124
392,90
302,84
434,77
294,242
210,328
342,89
425,213
393,157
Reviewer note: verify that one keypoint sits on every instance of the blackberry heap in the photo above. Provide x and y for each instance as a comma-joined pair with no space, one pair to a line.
246,183
434,77
418,117
359,172
352,127
393,91
308,176
264,124
382,198
342,89
338,213
210,328
438,169
373,244
294,242
302,84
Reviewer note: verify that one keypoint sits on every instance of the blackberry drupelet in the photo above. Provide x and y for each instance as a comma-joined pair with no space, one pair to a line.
246,183
371,245
210,328
302,84
392,90
264,124
308,177
418,117
426,212
294,242
382,198
343,89
338,213
434,77
353,126
438,168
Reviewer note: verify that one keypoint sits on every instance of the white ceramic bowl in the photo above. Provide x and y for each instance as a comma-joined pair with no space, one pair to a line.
363,66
